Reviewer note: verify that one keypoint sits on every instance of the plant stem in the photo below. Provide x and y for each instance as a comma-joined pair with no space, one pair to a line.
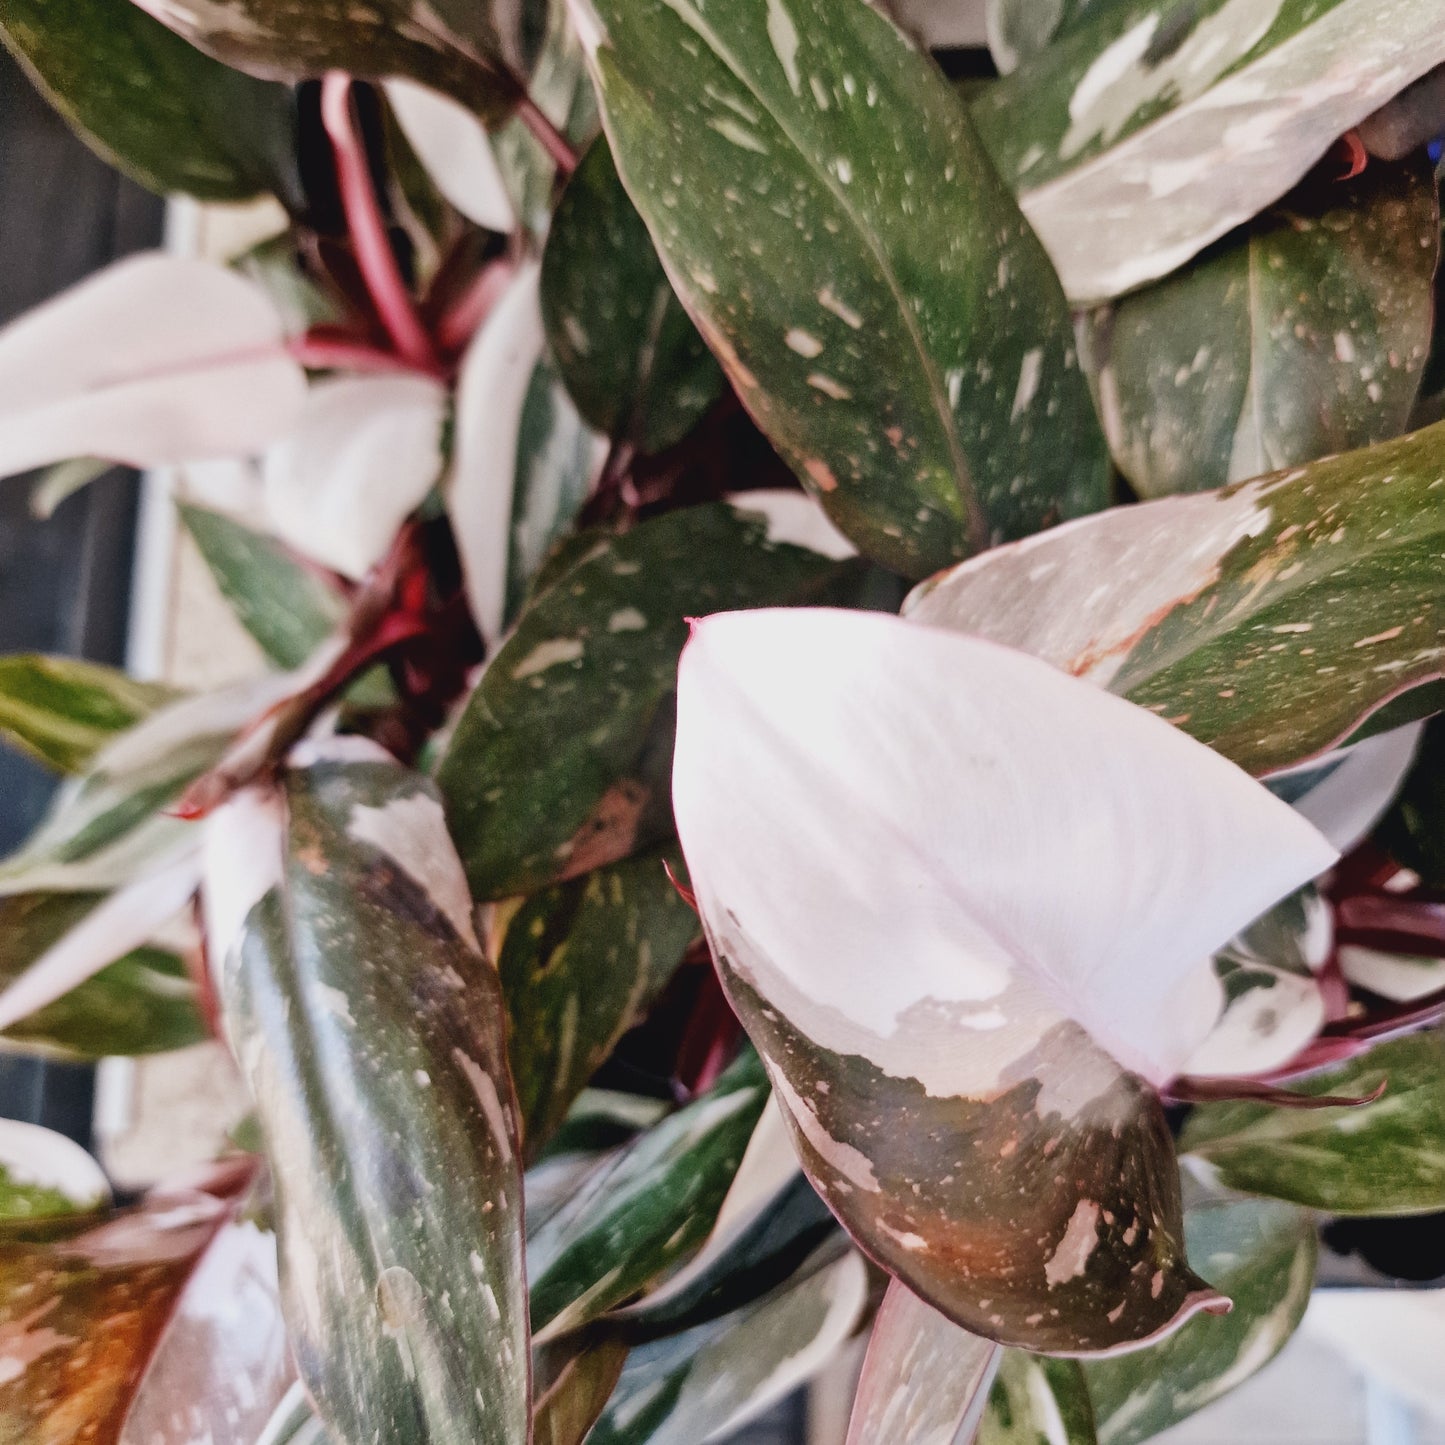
464,317
557,146
325,355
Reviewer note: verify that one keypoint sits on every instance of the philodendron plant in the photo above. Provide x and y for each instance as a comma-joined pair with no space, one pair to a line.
848,750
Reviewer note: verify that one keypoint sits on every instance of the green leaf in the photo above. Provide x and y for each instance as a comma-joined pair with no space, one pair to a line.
1223,612
643,1208
1262,1256
580,964
43,1174
1414,830
1115,138
632,360
63,711
142,1004
169,117
1038,1401
1379,1159
288,607
559,763
384,1097
1304,334
1019,29
478,54
829,219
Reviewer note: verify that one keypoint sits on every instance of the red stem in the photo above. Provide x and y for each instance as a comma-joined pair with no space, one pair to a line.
464,316
367,226
547,135
322,355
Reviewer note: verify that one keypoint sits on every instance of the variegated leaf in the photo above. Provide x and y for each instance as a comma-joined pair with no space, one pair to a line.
1039,1401
1218,611
830,221
1019,29
1156,126
43,1174
384,1098
559,762
867,808
1304,334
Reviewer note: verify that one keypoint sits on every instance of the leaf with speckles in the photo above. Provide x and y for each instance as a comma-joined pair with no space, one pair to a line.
1268,619
559,762
1039,1401
1117,138
84,1300
580,964
1304,334
169,117
866,807
286,605
1378,1159
1263,1255
370,1030
632,360
829,219
644,1207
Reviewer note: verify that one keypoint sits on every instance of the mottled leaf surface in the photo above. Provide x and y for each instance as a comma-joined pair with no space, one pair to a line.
580,964
830,221
1380,1159
1303,335
559,762
1267,620
370,1031
1124,140
1037,1400
634,363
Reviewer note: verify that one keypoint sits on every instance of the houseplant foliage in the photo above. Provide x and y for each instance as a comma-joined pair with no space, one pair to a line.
850,739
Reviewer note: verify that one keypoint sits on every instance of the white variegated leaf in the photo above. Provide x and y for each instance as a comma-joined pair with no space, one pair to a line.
797,519
1401,978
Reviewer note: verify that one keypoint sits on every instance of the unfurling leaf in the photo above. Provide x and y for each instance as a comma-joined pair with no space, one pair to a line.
370,1029
965,906
1223,612
832,224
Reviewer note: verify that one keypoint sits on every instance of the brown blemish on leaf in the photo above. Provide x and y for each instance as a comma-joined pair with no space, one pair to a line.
610,832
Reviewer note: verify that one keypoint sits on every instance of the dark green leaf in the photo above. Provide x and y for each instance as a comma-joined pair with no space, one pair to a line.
63,711
288,607
169,117
1302,335
560,761
580,964
634,363
1038,1401
385,1100
831,222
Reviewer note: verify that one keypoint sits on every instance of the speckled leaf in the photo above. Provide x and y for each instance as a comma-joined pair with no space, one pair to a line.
829,219
288,607
383,1095
580,964
1039,1401
1127,143
925,1381
144,1003
169,117
634,363
645,1207
851,788
702,1386
1224,612
43,1174
63,711
1304,334
1263,1254
83,1302
1019,29
474,53
1380,1159
559,762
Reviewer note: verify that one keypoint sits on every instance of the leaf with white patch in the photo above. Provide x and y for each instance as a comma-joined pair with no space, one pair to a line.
43,1174
1020,29
643,1208
706,1384
1046,870
1399,977
559,762
580,964
1116,138
1303,335
1264,1255
63,711
925,1381
1381,1158
1038,1401
1219,611
156,359
632,360
383,1095
878,302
